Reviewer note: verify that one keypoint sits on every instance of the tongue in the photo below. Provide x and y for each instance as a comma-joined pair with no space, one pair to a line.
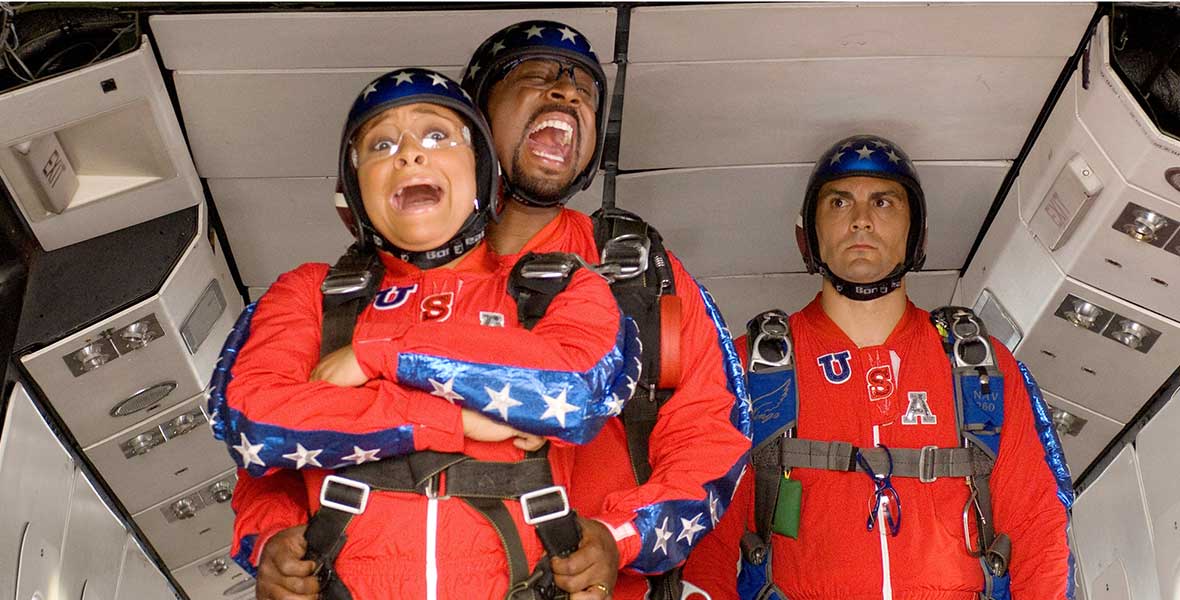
419,195
551,139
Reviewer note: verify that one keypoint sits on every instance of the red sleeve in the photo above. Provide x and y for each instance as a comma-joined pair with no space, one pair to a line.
1025,494
271,416
263,507
698,448
555,380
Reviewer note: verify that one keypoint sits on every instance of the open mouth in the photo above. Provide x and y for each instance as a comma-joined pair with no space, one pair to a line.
417,197
551,138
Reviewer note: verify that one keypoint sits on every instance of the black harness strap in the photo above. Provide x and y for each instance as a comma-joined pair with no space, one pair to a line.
350,285
536,280
639,298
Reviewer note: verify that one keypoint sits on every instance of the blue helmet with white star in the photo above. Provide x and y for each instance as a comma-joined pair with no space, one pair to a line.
865,156
507,48
408,86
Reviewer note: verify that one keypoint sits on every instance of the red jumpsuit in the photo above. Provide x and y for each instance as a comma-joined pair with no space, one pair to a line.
698,449
433,342
834,556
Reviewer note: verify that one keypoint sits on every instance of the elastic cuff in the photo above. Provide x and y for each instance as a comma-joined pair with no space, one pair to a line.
627,538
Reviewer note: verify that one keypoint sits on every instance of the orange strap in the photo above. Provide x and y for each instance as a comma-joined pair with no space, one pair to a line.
670,318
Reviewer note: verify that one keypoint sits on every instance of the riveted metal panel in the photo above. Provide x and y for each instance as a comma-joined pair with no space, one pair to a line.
302,40
1113,534
140,579
36,476
1157,447
237,129
767,31
89,568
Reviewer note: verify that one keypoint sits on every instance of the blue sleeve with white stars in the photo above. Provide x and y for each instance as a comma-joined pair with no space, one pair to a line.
571,406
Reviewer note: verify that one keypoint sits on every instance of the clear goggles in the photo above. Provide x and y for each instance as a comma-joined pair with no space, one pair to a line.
544,73
381,141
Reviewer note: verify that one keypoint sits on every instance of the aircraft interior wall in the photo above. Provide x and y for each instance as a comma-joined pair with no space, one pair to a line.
153,192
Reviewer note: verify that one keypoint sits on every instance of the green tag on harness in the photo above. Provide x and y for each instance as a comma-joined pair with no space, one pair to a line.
786,510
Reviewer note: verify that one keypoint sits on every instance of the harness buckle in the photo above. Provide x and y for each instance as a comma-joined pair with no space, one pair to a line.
545,504
772,328
926,473
625,256
344,282
550,267
332,496
968,331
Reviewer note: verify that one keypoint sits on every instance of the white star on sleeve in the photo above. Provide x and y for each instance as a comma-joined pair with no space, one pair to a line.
534,31
303,457
864,151
663,535
473,70
438,80
446,390
556,408
360,456
713,516
568,34
403,77
614,405
249,452
369,90
836,158
631,383
845,145
689,528
497,47
893,156
501,401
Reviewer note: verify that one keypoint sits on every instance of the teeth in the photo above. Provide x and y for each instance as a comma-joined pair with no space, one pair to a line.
562,126
549,156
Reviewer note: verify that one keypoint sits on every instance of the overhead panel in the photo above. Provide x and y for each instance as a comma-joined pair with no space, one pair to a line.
192,524
1083,432
215,576
741,297
95,150
1095,192
139,579
702,212
769,31
775,111
1111,526
309,40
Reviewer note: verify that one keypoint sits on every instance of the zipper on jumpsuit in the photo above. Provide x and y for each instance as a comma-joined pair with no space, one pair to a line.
886,579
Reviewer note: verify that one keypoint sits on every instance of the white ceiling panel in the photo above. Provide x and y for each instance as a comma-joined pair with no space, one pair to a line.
786,111
742,297
702,212
273,123
274,225
349,39
762,31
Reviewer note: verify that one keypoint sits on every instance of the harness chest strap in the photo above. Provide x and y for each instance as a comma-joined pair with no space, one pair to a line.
926,464
483,485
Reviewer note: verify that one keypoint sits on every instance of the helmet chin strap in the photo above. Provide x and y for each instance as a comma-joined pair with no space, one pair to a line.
468,237
862,292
